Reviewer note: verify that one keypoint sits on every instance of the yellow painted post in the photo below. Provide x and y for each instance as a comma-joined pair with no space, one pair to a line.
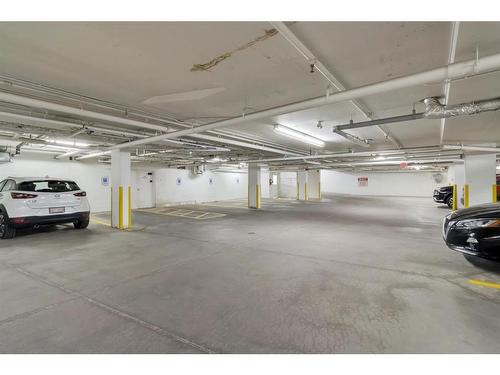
305,191
494,193
120,207
466,195
257,196
454,206
111,206
130,207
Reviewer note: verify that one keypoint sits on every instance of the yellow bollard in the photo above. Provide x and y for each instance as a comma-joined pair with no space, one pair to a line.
466,195
111,206
130,207
454,205
494,193
305,191
120,207
257,196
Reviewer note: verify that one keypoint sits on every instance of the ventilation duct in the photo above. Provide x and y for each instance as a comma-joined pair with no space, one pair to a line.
435,110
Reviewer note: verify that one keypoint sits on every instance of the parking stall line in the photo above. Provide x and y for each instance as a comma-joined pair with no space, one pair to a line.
484,283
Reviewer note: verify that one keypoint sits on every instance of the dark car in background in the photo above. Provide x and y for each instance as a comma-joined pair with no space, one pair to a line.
444,195
474,231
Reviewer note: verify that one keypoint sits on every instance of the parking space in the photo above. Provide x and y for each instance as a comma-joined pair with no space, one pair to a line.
252,281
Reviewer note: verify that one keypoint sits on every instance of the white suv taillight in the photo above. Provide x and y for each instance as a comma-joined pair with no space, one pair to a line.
80,194
22,195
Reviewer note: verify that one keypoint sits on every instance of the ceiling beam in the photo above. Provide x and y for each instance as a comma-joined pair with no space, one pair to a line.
312,59
459,70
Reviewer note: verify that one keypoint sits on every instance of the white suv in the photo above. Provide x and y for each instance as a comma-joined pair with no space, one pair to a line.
30,202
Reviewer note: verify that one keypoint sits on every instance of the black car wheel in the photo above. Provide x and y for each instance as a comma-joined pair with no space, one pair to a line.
6,231
449,201
81,224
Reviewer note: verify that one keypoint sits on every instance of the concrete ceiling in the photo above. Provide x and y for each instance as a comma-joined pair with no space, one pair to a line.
128,63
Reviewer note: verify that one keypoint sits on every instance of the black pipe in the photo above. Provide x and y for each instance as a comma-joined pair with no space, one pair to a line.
381,121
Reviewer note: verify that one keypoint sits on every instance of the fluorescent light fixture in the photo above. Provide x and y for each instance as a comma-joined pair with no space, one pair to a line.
93,155
68,143
380,158
216,159
61,148
299,136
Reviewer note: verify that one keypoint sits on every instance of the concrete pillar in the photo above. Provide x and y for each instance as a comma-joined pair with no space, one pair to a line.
254,188
302,188
121,192
480,176
314,183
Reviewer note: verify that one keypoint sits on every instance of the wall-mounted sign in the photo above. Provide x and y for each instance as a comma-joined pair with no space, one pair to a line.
105,181
237,180
403,165
210,180
179,181
362,181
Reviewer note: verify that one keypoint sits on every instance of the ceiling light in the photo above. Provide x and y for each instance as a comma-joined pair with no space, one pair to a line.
216,159
380,158
68,143
291,133
93,155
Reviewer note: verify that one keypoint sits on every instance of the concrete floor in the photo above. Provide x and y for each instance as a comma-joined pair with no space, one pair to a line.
346,275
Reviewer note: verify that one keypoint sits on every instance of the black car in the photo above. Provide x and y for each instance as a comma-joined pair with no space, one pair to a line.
474,231
444,195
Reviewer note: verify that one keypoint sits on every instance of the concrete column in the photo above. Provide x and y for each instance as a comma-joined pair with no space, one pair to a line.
480,176
254,188
121,192
314,183
302,187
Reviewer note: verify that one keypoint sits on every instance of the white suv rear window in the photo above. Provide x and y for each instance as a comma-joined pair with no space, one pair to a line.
48,186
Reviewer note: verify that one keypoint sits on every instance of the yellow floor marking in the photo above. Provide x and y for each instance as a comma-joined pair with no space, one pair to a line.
100,222
485,283
242,206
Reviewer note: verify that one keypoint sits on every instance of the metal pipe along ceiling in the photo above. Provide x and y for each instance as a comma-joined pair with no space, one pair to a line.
448,72
472,148
35,121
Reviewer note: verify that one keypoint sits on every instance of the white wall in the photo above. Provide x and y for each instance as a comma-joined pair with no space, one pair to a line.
418,184
287,184
86,174
198,188
265,191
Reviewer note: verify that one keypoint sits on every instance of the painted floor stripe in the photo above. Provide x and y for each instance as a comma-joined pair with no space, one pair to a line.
100,222
485,283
